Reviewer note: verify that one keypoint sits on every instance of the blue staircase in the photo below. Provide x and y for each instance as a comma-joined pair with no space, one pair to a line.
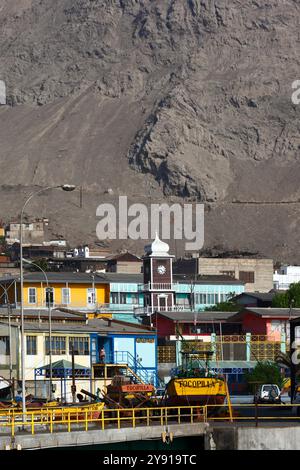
145,375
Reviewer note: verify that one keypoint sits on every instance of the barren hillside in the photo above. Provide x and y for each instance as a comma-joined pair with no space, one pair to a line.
157,99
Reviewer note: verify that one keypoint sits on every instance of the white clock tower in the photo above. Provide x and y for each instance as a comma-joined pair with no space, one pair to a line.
158,288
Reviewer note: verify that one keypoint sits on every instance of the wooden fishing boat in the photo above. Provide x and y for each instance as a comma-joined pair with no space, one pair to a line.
196,391
193,385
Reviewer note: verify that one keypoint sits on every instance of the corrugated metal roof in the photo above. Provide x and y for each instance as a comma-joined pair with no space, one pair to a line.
94,326
270,311
63,364
120,277
60,277
199,316
35,313
267,312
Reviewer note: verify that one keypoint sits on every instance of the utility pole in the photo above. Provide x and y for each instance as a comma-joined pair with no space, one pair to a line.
48,302
73,387
10,337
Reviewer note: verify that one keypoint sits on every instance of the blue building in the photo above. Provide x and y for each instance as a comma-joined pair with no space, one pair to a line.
126,343
205,291
124,295
127,293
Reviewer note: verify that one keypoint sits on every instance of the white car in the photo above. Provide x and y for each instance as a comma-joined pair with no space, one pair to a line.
268,393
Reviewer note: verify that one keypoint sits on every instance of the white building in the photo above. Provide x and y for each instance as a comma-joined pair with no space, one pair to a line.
86,252
286,276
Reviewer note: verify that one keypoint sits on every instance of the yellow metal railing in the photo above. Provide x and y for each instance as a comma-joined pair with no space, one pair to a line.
50,420
237,410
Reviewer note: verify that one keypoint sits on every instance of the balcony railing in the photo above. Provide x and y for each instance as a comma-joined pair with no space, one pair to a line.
93,307
56,305
144,311
111,308
158,286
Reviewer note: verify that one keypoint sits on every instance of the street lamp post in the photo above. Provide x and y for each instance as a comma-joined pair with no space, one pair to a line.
66,187
50,323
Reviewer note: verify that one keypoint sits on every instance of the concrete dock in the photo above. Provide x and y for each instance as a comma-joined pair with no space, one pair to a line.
45,440
220,436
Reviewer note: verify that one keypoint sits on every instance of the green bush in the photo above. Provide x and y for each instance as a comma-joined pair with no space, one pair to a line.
265,372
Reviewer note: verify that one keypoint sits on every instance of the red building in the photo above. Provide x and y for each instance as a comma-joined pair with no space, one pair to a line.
271,322
194,325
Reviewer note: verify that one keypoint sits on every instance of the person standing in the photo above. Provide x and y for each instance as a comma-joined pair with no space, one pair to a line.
102,355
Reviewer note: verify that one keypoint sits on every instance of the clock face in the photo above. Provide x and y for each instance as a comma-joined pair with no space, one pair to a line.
161,269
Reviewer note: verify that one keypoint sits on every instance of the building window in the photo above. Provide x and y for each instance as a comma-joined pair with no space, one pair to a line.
119,298
184,301
65,295
32,295
31,348
200,298
4,346
228,273
49,296
135,298
80,345
58,345
203,329
246,276
91,296
206,299
195,330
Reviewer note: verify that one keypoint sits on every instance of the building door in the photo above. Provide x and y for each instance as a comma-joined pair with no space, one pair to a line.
162,303
106,343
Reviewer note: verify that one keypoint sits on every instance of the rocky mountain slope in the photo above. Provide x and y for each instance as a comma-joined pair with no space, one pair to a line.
176,100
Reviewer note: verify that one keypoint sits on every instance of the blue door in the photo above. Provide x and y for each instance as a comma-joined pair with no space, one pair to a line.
107,344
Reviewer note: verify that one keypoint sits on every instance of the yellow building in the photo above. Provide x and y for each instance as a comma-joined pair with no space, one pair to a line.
80,291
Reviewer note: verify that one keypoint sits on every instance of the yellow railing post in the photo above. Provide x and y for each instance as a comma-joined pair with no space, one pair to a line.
118,418
161,417
51,417
32,423
86,420
192,416
102,417
148,416
179,420
229,402
133,417
13,425
69,422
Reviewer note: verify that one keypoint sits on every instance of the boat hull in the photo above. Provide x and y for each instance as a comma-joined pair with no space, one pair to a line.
196,400
196,391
